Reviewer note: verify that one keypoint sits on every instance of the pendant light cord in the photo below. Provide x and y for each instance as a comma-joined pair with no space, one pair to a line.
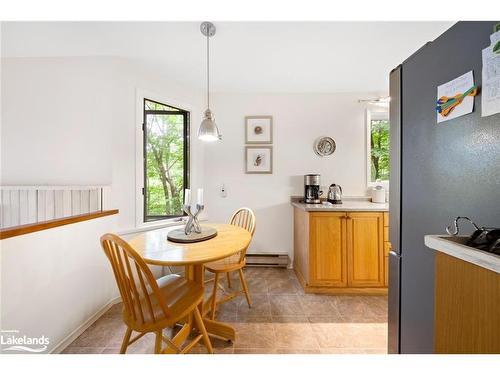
208,67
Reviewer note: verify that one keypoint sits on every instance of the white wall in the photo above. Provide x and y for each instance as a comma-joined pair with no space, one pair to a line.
298,120
55,122
53,281
127,79
72,121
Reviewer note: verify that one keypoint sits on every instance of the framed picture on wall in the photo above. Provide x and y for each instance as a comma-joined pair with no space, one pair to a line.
259,129
259,159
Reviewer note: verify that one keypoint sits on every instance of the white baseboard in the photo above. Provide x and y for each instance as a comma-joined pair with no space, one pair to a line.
78,331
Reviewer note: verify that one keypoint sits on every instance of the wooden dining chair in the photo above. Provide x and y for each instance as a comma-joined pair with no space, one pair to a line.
244,218
151,305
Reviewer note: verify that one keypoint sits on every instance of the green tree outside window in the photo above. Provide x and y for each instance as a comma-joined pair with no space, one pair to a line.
165,162
380,142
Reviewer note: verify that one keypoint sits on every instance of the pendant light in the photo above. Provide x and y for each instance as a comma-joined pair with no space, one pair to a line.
208,130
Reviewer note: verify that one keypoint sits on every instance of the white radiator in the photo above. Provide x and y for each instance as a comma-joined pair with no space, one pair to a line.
267,260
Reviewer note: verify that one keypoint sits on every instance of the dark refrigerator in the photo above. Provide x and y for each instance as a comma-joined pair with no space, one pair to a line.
438,172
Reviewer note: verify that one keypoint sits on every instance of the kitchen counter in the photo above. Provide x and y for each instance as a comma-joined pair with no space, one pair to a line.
348,204
466,297
325,262
454,246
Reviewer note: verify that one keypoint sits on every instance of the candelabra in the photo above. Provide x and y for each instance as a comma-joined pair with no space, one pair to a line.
193,224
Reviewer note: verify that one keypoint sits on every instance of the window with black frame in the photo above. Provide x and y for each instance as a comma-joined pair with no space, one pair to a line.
166,160
378,147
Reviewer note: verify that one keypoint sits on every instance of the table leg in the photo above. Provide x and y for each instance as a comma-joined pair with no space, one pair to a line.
197,273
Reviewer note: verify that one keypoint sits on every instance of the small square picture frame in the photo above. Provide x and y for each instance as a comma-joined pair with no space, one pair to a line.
258,129
259,159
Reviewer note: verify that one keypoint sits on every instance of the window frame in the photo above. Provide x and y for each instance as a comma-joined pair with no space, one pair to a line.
381,114
185,115
185,109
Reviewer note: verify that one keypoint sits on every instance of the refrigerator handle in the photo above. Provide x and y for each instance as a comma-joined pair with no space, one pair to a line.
395,254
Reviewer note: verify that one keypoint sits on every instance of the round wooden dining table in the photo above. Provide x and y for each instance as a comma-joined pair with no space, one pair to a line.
156,249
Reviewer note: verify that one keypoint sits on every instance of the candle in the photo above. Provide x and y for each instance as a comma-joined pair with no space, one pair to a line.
187,197
200,197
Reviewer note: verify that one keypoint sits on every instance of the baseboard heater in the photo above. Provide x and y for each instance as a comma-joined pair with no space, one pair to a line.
267,260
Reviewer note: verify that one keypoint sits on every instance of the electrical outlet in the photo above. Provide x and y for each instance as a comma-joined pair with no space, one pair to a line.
223,191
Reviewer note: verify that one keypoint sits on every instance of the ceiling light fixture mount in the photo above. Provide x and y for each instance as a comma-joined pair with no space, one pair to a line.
207,29
208,130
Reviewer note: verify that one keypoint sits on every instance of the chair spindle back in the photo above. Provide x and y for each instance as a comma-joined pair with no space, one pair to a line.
244,218
138,288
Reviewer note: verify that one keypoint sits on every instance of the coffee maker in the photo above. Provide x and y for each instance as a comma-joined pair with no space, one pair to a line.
312,190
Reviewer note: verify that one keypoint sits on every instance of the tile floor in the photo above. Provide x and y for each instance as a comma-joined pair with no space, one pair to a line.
283,319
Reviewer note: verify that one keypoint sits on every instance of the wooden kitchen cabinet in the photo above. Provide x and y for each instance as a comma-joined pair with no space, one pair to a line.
365,249
467,307
387,248
327,246
340,252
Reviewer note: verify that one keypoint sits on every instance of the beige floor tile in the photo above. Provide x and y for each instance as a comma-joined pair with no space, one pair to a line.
290,319
279,273
83,350
105,332
351,335
235,280
259,272
256,284
298,351
374,335
377,305
364,319
285,304
254,351
114,311
245,318
229,307
226,317
353,351
111,351
261,306
316,305
283,286
254,335
282,320
218,343
145,345
203,350
295,336
334,318
352,306
219,346
235,283
333,335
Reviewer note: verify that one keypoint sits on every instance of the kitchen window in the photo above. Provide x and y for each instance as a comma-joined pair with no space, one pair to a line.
166,160
378,148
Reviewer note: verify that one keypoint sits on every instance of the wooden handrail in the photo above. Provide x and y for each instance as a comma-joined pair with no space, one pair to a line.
43,225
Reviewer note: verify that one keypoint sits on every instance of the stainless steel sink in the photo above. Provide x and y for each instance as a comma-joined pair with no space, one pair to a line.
457,239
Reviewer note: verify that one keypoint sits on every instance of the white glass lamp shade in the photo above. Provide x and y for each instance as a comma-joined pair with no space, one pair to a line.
208,131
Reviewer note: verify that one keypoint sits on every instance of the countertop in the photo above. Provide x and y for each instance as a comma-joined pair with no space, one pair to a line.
454,246
348,204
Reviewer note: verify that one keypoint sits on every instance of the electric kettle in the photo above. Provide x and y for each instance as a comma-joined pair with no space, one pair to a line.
335,194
